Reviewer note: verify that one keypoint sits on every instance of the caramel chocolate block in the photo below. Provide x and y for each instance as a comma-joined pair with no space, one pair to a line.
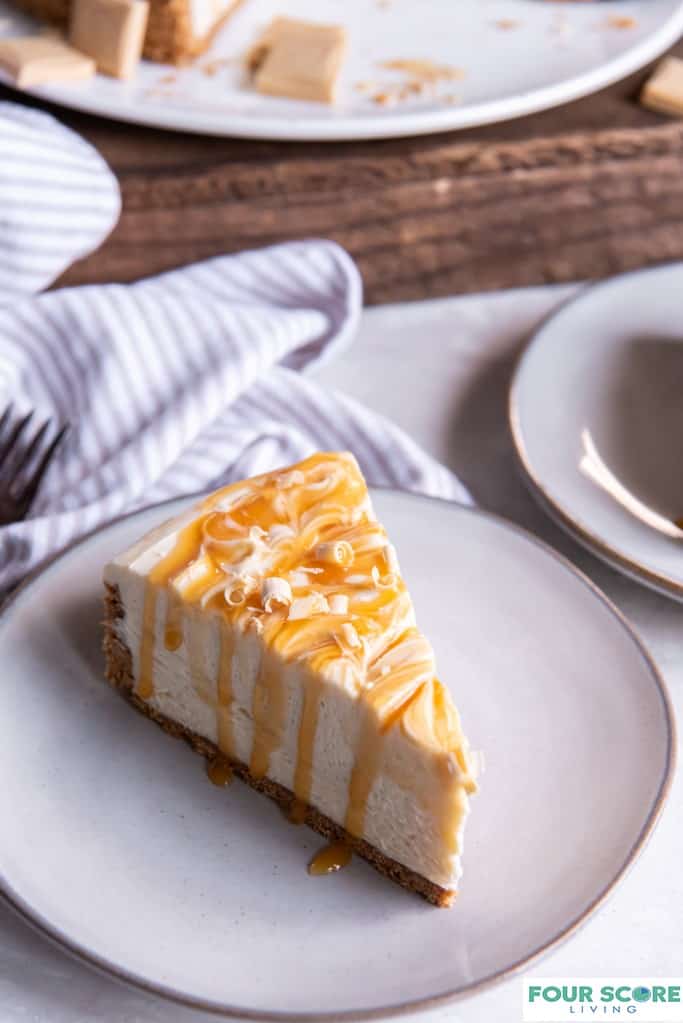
112,32
38,60
663,91
298,59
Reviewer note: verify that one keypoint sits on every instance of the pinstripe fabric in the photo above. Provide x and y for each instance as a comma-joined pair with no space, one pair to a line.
58,200
186,381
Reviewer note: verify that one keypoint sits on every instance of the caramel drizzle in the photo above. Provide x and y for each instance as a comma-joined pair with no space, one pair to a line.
387,698
365,768
303,774
224,691
172,564
173,632
297,812
269,708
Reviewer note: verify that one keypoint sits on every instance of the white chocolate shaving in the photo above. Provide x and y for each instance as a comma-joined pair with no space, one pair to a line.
275,592
295,478
350,635
306,607
337,552
280,531
388,582
391,558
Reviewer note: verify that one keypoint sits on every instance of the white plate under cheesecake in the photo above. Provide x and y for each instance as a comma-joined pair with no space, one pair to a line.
577,48
114,821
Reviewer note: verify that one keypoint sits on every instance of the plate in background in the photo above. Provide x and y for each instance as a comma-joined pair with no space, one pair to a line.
121,851
609,362
518,56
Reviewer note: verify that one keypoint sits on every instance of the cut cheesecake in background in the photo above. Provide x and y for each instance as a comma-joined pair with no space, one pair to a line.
177,30
270,625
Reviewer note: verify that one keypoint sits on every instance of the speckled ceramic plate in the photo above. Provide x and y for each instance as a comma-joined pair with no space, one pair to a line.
116,846
517,56
605,374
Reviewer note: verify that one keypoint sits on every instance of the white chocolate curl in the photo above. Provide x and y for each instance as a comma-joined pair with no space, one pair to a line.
338,552
306,607
339,604
275,592
391,559
350,635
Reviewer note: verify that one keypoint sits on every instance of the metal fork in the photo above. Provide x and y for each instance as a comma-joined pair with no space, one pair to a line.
23,465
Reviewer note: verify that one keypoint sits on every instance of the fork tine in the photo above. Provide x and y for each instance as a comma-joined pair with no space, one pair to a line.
6,415
25,460
36,479
14,436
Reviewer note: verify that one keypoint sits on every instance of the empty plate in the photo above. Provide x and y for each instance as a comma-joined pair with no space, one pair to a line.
596,411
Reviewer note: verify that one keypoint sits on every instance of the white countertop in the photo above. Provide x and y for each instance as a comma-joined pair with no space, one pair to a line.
441,370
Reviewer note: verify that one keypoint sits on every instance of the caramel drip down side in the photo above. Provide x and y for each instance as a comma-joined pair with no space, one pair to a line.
224,689
366,765
178,558
145,689
173,632
303,773
269,708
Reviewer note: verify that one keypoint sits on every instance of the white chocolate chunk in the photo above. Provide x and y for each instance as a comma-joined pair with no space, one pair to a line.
663,91
298,59
38,60
111,32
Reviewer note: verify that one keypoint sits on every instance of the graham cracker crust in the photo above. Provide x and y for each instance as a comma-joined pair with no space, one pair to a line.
119,673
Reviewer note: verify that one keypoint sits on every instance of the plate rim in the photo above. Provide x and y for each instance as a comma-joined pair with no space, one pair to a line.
346,129
574,527
38,922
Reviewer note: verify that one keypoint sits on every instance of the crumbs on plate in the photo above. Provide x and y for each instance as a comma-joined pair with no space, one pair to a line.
621,21
419,78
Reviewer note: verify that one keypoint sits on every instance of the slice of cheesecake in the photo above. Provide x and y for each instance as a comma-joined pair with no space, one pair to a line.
270,625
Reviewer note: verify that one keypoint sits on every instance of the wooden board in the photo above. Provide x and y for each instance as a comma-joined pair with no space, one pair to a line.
583,191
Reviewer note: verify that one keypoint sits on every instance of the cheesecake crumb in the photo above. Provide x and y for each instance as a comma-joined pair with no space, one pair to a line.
424,70
298,59
111,32
506,24
663,91
212,67
621,21
42,59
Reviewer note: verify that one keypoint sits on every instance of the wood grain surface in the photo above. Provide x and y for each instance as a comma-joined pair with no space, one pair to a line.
583,191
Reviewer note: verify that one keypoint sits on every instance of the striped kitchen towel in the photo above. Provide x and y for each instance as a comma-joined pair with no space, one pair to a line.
58,200
178,383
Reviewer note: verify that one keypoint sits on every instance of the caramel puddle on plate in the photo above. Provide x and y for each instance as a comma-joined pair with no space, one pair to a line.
330,859
219,771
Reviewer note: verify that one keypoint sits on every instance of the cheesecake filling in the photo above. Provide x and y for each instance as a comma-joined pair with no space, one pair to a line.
274,622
